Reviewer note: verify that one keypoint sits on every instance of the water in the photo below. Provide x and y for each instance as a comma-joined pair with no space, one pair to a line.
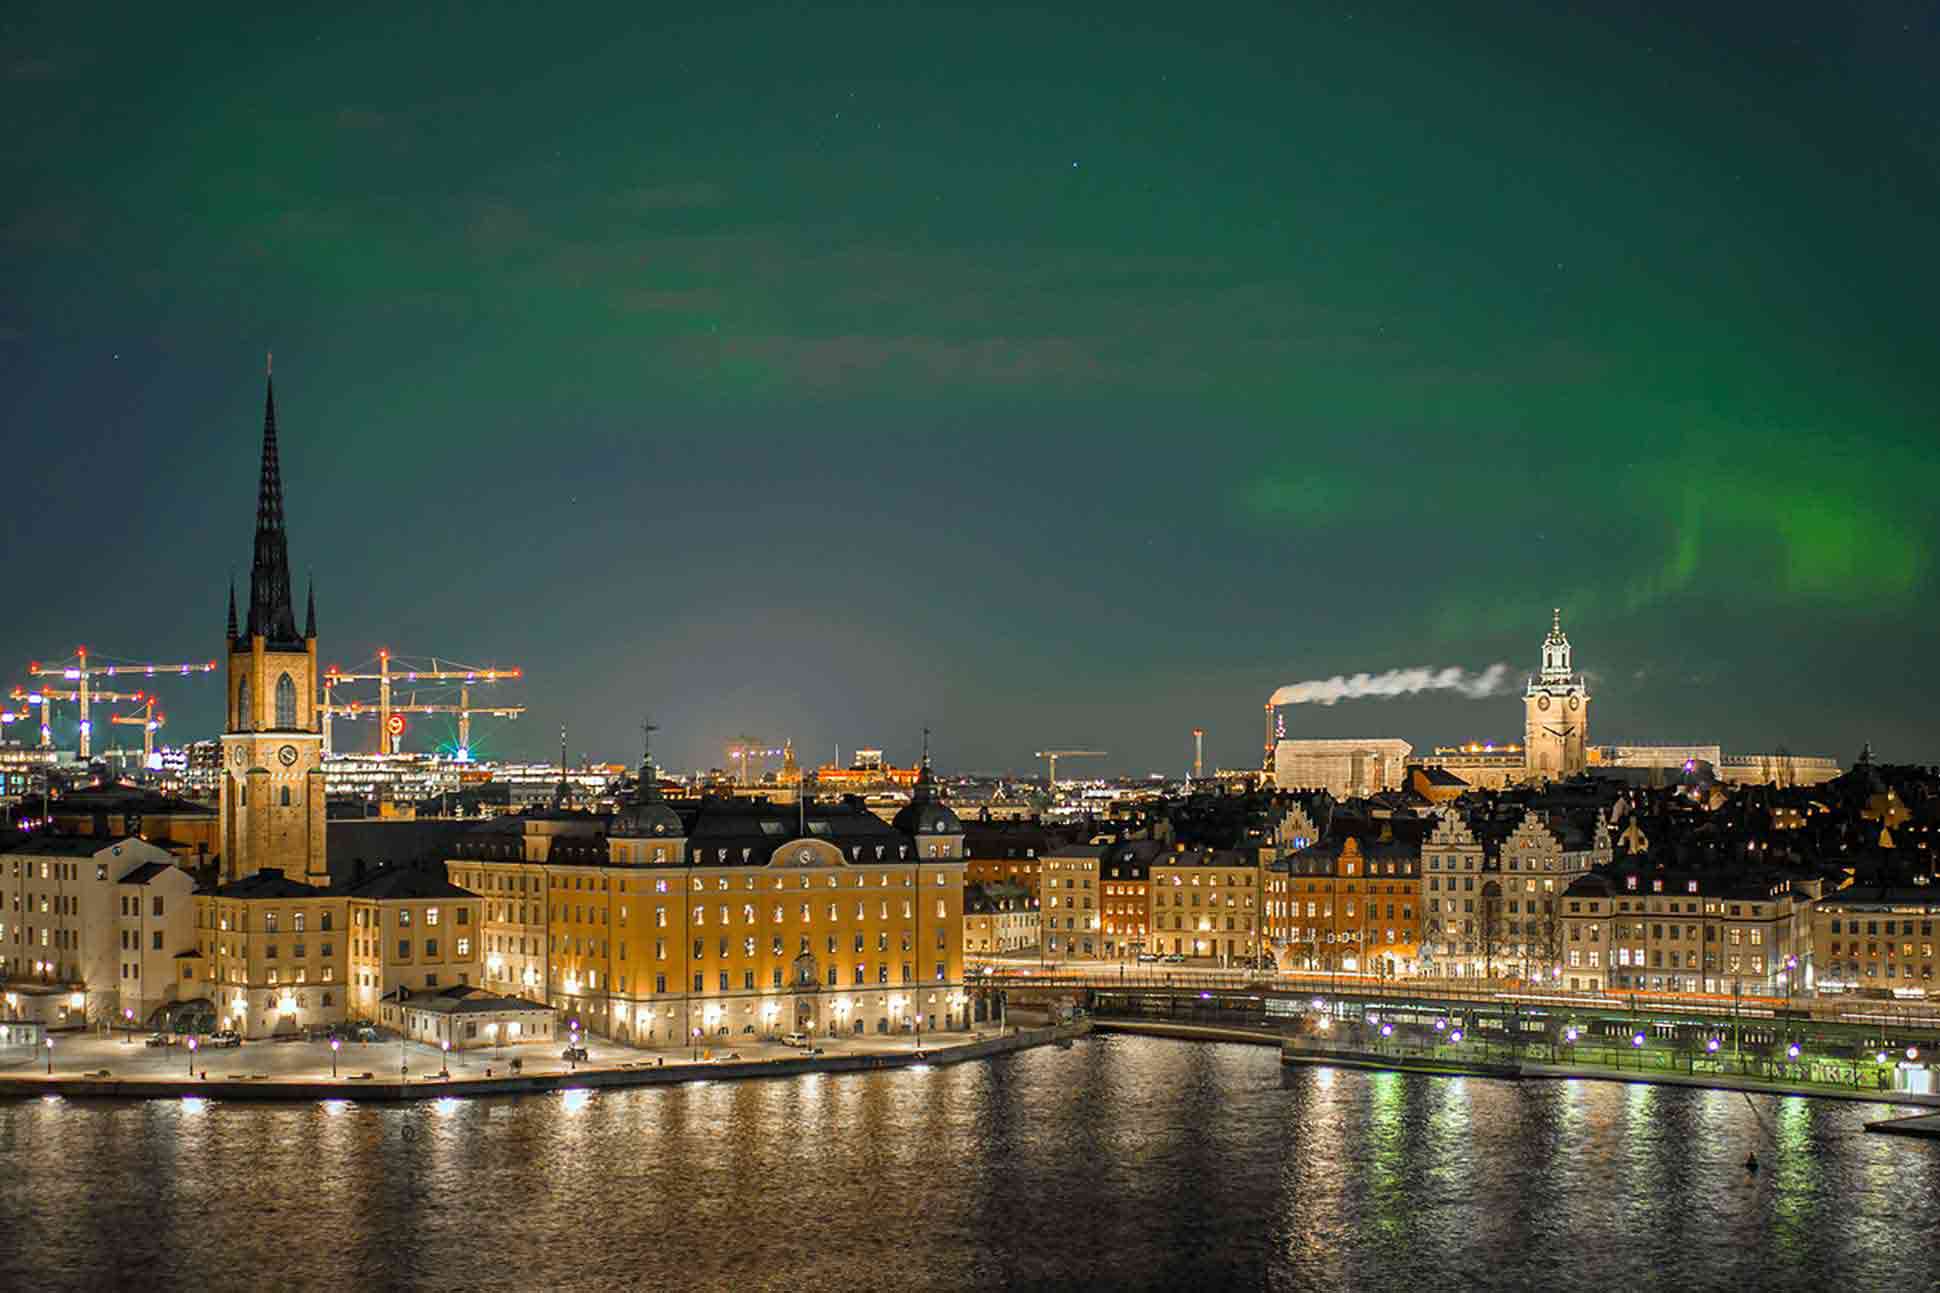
1127,1162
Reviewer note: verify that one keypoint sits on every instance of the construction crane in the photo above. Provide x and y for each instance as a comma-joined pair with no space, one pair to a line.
392,736
81,672
149,722
45,696
1051,757
391,671
747,749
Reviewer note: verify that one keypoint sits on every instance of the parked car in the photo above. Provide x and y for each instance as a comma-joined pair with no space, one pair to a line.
225,1039
795,1039
574,1053
161,1039
1174,958
364,1033
1148,958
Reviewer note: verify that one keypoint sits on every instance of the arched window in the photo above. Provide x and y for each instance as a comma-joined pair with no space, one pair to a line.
242,706
285,703
286,796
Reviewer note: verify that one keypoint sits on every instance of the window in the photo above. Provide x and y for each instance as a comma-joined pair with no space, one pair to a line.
285,702
431,915
403,949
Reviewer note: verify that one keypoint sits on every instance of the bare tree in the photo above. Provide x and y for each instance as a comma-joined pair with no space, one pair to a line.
1491,929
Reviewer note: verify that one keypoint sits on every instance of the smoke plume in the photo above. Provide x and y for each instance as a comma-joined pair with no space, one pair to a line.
1395,682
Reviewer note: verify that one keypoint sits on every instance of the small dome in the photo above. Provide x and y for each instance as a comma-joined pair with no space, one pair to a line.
652,820
925,816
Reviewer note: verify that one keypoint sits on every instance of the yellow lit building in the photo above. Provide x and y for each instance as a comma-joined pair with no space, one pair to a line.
1207,903
732,918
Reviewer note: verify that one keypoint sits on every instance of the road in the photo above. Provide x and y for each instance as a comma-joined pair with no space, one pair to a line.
79,1054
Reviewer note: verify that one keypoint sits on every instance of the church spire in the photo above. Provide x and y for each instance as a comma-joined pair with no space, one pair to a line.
310,619
232,608
925,788
271,614
648,791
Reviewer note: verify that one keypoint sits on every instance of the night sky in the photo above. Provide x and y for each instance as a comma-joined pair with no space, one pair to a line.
1038,377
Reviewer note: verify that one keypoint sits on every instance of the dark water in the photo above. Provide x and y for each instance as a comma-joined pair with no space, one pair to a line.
1127,1162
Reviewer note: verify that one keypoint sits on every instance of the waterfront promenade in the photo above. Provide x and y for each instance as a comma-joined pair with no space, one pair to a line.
94,1066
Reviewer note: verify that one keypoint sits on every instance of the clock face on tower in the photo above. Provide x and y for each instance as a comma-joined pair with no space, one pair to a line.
1542,702
287,755
236,756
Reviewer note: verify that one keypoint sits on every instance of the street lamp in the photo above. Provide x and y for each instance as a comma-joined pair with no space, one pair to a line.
192,1045
128,1015
444,1070
336,1044
50,1057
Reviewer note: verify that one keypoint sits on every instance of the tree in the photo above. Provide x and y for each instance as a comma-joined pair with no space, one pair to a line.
1492,930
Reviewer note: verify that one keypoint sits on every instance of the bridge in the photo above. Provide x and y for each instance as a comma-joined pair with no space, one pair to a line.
1294,1005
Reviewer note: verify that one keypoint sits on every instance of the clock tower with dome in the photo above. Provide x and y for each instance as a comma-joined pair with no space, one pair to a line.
1556,712
272,798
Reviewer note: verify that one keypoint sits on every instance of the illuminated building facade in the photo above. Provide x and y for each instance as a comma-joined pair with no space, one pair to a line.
732,918
1207,903
1351,903
272,793
1556,712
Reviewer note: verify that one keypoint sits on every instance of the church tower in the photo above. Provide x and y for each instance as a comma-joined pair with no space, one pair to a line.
1556,712
272,801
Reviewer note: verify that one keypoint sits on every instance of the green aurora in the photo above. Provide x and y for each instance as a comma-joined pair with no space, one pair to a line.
1071,376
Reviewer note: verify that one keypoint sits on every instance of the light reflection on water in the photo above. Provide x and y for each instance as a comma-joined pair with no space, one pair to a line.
1131,1162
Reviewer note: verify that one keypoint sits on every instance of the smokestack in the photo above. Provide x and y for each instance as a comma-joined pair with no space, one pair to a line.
1198,753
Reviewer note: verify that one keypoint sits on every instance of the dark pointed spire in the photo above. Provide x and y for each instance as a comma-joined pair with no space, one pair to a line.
271,614
925,787
232,608
648,791
310,619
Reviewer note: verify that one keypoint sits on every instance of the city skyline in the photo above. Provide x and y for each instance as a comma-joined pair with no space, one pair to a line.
937,388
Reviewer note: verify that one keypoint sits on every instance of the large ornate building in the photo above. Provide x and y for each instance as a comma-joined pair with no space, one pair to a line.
728,917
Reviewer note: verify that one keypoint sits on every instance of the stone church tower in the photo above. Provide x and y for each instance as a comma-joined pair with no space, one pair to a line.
272,802
1556,713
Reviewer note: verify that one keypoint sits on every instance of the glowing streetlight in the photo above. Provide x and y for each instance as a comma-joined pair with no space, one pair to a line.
1637,1040
128,1021
336,1044
445,1061
1793,1050
1455,1036
193,1043
50,1057
1711,1044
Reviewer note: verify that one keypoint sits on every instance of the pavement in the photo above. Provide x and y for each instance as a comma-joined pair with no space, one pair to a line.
81,1055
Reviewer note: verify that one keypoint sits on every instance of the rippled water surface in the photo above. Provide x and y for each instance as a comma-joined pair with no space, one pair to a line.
1129,1162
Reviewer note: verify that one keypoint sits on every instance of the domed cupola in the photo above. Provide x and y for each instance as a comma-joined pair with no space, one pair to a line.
925,814
646,815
